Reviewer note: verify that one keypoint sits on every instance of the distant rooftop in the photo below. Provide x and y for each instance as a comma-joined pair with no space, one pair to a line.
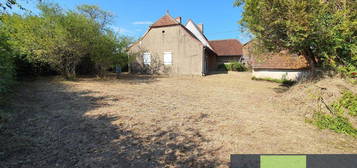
229,47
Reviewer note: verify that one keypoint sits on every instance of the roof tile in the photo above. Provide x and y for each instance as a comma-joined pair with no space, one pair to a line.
282,60
230,47
166,20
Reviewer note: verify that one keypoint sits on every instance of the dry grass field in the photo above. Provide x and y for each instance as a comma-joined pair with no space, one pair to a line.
138,121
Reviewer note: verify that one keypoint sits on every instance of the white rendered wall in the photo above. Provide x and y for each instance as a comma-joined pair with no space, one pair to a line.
193,28
281,74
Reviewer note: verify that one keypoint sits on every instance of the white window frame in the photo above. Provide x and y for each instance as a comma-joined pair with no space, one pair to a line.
167,60
147,58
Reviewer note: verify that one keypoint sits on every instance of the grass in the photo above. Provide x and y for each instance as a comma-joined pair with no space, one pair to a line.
167,121
282,81
348,102
338,124
337,121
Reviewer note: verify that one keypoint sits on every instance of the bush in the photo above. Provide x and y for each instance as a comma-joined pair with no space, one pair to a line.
222,67
6,68
232,66
237,66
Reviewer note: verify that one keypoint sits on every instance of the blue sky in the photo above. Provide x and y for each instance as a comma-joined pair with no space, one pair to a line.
132,17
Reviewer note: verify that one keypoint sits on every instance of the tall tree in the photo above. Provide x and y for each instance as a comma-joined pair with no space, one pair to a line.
324,31
62,38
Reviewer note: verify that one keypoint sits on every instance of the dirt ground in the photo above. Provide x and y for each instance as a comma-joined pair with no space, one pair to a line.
138,121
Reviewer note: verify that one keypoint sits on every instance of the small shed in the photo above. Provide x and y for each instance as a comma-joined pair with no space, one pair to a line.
229,50
282,65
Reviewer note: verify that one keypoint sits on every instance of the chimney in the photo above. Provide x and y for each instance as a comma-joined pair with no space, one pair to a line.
200,27
178,19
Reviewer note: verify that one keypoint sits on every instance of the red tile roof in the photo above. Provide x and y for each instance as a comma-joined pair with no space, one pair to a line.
282,60
230,47
166,20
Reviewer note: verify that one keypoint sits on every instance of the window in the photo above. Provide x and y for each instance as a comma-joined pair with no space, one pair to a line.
167,58
147,58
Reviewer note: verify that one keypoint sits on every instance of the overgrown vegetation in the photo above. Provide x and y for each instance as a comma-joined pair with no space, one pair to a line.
282,81
324,31
338,124
346,104
63,39
6,68
337,120
57,41
233,66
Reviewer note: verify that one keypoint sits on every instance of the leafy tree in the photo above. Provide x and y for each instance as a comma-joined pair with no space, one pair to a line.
104,18
324,31
6,67
62,38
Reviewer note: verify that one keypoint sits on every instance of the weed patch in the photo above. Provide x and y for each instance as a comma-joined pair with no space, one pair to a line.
338,124
337,119
347,103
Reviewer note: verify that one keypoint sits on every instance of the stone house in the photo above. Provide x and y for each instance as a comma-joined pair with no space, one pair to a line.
171,47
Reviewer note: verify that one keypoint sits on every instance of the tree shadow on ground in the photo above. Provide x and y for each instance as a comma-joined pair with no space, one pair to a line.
127,78
217,72
281,89
50,128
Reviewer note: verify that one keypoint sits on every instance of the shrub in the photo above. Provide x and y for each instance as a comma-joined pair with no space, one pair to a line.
6,68
232,66
223,67
237,66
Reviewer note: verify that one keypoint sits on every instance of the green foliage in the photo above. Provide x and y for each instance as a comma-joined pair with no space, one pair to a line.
282,81
232,66
62,39
348,102
337,119
6,68
237,66
338,124
324,31
222,67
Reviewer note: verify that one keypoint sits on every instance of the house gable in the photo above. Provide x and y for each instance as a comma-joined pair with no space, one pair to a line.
192,27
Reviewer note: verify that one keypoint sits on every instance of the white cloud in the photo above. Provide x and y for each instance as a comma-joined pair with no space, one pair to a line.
122,30
142,23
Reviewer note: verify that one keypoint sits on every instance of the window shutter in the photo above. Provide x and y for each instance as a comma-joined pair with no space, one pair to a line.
167,58
147,58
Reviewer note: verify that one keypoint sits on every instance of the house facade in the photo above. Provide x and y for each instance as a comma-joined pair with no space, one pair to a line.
171,47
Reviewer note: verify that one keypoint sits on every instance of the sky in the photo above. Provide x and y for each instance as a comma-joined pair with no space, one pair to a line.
133,17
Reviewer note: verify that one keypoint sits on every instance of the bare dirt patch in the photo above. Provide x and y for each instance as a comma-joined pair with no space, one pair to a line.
156,122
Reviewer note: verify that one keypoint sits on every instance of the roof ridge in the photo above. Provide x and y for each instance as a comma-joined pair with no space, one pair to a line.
225,39
166,20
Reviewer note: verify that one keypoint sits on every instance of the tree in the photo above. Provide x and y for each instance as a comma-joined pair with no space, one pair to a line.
324,31
10,4
104,18
62,38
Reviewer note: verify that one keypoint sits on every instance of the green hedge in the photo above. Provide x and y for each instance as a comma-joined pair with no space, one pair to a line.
6,68
233,66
